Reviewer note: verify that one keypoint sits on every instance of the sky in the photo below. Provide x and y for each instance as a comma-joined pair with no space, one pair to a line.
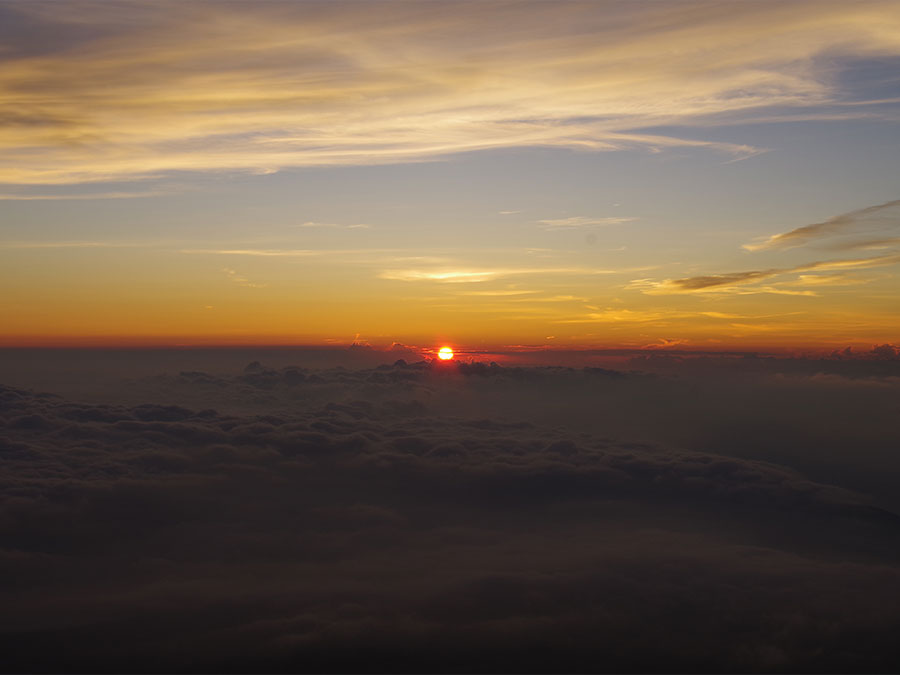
663,239
487,175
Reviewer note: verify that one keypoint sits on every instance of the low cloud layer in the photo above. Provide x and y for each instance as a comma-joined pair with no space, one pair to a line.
464,517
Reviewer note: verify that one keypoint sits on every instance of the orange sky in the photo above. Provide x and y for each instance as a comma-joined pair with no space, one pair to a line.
565,175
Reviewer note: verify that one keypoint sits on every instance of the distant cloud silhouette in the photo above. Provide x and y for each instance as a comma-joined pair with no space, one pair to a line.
295,518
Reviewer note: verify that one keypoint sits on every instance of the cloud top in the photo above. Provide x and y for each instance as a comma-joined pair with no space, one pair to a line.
287,519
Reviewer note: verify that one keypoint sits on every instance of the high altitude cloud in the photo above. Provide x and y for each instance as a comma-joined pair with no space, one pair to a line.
466,275
584,221
726,282
256,252
357,226
241,280
139,89
871,218
865,221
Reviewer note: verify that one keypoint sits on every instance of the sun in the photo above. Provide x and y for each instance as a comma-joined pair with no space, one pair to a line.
445,353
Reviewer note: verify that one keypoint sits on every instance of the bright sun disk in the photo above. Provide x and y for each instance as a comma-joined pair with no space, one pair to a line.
445,353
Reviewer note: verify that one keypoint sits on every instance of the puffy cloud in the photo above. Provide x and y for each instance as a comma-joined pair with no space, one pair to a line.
440,517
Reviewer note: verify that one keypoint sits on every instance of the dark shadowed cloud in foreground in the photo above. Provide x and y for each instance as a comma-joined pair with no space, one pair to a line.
713,515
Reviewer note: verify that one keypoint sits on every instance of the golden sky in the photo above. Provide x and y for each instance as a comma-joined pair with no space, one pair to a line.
707,175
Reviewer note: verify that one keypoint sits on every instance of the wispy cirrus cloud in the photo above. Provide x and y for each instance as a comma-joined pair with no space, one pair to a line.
583,221
69,244
499,293
738,282
241,280
470,275
257,252
153,88
336,226
700,283
618,315
830,280
447,276
34,197
864,244
880,216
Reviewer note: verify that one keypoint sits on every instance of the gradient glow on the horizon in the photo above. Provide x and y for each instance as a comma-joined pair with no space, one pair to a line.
569,174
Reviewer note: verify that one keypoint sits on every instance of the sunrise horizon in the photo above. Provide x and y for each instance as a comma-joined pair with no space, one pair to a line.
611,173
99,343
449,336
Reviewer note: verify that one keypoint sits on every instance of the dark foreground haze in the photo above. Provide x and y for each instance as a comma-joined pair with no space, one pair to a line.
226,511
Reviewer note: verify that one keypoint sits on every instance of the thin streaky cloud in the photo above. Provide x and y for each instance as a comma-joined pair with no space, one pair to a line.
761,290
260,87
498,293
583,221
69,244
463,275
851,263
357,226
12,197
830,280
553,298
421,260
865,244
241,280
447,276
727,281
880,215
266,253
769,290
874,101
618,315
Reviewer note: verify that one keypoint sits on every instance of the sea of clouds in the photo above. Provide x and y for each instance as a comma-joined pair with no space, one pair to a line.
680,514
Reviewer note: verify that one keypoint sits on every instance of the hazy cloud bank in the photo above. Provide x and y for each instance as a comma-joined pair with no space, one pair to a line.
458,518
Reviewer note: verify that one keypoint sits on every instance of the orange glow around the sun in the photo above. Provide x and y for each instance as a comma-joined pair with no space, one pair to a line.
445,353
